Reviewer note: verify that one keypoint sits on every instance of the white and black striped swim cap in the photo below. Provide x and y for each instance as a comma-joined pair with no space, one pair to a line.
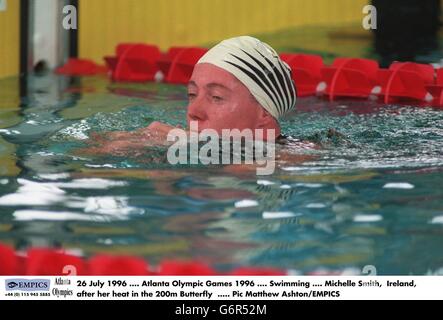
259,68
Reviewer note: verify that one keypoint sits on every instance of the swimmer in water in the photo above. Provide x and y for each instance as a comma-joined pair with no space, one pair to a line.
241,83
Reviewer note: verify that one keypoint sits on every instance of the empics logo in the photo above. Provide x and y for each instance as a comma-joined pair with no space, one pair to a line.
27,284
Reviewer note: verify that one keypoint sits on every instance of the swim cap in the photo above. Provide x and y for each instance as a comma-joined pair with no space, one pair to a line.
259,68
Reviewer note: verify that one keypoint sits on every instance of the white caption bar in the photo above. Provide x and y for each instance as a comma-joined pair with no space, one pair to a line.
222,288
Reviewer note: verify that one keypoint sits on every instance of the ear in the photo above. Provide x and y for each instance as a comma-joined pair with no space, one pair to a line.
266,121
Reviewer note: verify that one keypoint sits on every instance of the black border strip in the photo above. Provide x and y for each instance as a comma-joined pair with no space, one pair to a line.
24,36
24,46
73,33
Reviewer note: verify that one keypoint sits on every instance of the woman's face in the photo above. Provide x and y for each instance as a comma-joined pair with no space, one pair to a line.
218,100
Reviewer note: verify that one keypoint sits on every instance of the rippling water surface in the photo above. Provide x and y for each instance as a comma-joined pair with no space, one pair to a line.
372,196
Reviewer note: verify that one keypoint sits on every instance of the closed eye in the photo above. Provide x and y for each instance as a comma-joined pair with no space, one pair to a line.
191,96
217,98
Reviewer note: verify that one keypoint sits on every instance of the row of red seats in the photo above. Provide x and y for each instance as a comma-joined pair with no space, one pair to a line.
51,262
141,62
361,78
346,77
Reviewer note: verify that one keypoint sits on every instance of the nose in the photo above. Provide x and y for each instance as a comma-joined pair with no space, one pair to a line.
197,110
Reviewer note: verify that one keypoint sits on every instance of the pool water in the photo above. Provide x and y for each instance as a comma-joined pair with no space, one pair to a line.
372,197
